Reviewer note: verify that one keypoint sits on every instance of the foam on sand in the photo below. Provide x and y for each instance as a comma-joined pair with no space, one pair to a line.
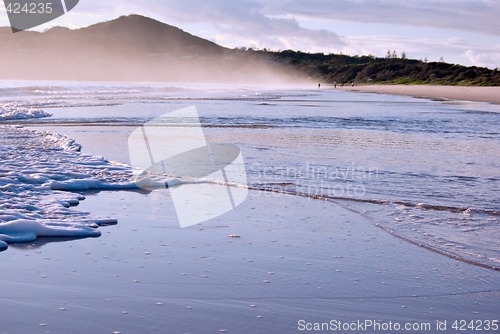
23,230
35,167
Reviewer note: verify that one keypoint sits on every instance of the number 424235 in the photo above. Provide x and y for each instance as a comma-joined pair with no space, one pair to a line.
29,8
475,325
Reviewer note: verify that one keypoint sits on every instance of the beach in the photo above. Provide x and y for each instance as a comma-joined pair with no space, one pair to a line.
467,93
365,212
294,259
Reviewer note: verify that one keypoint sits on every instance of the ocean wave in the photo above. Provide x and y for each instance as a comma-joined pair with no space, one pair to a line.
19,111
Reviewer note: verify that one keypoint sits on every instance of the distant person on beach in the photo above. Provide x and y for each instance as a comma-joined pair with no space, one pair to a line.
319,86
352,85
335,84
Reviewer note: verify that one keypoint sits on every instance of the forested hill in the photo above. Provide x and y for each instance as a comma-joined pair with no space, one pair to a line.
394,70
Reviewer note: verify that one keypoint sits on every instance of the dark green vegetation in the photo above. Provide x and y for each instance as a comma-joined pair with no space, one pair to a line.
390,70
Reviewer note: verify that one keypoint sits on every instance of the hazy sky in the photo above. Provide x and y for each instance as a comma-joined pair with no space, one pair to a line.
461,31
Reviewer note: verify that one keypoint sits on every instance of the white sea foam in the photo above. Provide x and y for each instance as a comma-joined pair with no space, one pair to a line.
18,110
35,167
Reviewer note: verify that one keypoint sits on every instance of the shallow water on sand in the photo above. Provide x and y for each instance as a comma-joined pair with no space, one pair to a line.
424,170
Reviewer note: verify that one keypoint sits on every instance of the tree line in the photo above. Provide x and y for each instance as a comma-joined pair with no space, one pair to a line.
389,70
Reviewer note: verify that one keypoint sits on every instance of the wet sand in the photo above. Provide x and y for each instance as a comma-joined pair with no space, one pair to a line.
478,94
295,259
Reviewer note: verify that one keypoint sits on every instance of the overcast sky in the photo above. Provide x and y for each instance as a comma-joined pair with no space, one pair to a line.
461,31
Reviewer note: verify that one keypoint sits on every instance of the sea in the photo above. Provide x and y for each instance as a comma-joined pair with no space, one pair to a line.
426,171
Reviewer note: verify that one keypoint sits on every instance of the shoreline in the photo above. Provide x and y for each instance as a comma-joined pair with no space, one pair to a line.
488,94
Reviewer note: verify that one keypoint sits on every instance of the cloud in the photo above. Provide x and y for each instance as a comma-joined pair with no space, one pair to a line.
486,58
468,15
280,33
247,22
